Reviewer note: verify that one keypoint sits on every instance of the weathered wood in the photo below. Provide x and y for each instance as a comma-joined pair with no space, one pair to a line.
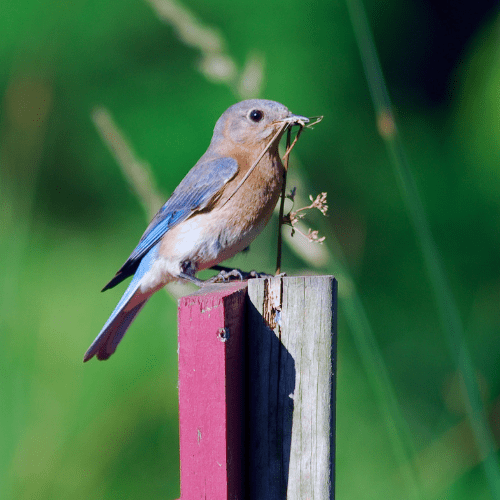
211,392
291,369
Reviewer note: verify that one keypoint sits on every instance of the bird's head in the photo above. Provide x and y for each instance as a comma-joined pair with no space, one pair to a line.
255,122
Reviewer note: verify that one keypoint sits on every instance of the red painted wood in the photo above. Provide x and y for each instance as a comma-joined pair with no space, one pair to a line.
211,392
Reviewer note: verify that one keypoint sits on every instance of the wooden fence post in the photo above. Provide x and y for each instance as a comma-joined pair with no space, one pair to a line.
211,392
257,396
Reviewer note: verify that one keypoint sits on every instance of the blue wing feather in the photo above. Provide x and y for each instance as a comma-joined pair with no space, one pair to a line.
196,191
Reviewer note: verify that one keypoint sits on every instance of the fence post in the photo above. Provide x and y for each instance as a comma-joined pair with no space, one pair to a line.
257,396
211,392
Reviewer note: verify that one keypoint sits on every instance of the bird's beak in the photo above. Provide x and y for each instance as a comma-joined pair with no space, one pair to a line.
295,120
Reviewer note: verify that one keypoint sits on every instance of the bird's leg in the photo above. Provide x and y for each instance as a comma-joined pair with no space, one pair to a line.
192,279
188,273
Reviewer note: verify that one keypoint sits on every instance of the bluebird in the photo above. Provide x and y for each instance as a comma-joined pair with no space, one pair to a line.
221,205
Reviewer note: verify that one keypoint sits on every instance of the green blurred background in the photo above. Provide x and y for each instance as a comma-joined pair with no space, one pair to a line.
69,219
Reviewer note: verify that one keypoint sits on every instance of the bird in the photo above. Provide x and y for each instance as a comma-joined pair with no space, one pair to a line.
219,207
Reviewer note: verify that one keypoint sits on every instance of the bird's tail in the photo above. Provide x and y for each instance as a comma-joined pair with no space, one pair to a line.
130,304
113,331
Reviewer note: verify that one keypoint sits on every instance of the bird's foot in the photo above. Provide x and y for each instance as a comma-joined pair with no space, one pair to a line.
227,274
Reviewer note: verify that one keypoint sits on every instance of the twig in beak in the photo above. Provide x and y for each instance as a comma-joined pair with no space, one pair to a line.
288,147
314,120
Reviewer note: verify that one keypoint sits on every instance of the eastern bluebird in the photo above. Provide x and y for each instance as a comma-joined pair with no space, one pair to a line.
221,205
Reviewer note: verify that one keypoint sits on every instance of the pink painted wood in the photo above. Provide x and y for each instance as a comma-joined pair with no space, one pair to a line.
211,392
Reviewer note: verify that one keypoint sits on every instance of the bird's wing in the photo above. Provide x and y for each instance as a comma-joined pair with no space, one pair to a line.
197,190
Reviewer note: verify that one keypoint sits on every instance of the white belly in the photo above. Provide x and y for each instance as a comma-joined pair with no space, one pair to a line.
204,240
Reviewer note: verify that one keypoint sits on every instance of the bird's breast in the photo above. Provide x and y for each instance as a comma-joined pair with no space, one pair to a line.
232,222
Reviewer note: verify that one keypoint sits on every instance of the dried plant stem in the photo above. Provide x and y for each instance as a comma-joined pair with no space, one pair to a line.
283,196
288,147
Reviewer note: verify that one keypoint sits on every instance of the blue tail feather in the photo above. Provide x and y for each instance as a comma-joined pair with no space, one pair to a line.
114,329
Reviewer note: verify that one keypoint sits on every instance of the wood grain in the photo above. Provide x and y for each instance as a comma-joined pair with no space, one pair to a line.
291,355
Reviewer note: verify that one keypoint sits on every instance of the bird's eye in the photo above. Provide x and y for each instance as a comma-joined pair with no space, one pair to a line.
256,115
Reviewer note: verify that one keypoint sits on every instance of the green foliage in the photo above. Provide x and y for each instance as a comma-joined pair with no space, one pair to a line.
68,220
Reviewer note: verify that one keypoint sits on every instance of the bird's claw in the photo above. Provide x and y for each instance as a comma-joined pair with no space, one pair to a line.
227,275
